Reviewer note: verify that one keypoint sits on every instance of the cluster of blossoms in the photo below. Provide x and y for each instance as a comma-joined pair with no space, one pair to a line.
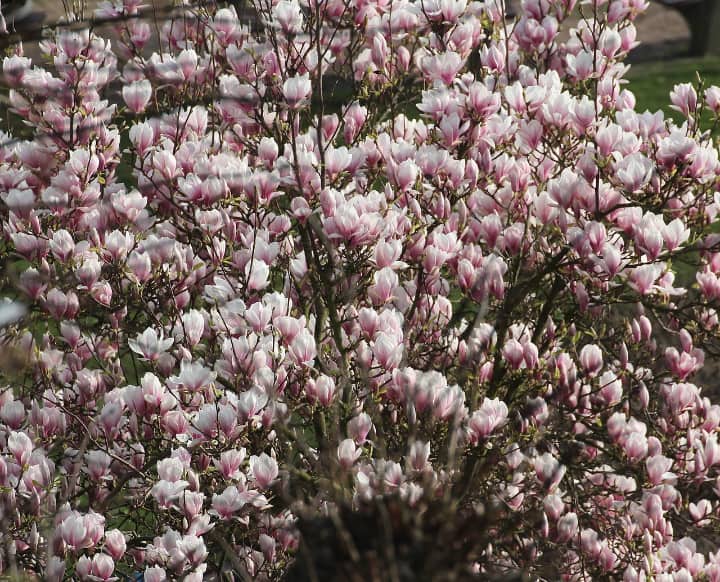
483,283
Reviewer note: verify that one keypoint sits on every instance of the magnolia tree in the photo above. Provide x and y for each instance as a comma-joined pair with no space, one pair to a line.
450,326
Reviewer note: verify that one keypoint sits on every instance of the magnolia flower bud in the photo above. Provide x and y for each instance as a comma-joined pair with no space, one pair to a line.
137,95
264,470
296,90
115,543
154,574
359,427
567,527
348,453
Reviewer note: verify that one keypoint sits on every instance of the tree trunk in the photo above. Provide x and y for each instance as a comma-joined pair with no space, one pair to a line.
703,18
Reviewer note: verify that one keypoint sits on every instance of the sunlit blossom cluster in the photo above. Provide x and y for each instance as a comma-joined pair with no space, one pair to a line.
481,283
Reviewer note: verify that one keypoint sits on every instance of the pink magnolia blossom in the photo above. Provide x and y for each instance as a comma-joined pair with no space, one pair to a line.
233,315
20,446
303,348
359,427
264,470
115,544
150,344
684,98
487,419
228,503
155,574
230,462
137,95
591,359
296,90
567,527
348,453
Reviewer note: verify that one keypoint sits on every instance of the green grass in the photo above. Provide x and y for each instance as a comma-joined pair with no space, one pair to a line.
652,82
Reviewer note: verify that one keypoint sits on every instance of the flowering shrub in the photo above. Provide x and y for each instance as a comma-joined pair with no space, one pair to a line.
480,293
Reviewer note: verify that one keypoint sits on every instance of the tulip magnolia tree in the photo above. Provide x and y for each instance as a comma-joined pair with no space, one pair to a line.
473,298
